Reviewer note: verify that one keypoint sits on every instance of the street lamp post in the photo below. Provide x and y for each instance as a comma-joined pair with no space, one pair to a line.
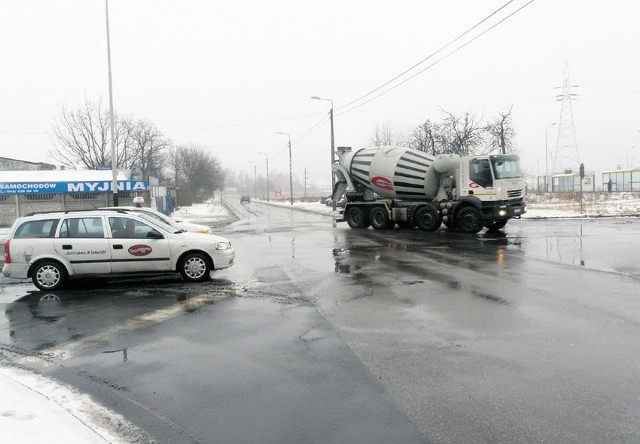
290,168
255,181
267,158
114,166
333,150
546,155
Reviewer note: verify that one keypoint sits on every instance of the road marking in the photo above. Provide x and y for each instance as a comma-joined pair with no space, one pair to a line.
65,351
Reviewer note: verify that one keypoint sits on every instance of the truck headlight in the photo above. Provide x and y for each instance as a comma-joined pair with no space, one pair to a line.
222,245
502,212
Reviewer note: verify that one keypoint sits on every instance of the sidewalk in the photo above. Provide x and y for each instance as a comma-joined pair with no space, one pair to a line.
35,409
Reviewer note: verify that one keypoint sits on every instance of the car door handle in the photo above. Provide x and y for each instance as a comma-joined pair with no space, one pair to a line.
117,246
67,247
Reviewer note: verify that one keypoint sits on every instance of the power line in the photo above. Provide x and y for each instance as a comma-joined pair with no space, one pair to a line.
312,130
430,56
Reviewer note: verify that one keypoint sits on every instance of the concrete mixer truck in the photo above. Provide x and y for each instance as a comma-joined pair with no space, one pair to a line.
394,185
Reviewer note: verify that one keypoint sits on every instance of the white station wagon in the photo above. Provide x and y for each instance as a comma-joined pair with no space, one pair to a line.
154,214
52,247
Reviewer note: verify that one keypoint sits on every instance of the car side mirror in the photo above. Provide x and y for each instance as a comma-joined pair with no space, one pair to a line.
153,234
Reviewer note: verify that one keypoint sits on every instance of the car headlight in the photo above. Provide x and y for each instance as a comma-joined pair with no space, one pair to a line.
222,245
208,231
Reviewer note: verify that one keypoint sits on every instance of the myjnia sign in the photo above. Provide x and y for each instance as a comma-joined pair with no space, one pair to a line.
71,187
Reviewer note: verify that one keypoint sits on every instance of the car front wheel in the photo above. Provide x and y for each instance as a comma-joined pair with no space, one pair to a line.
49,275
194,267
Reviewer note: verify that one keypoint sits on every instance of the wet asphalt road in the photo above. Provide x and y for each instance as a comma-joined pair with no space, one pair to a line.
326,334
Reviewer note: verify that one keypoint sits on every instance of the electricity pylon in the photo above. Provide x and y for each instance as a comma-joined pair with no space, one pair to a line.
567,156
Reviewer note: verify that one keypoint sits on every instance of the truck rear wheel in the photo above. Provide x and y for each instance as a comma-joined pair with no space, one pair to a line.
496,225
470,220
379,218
426,218
357,218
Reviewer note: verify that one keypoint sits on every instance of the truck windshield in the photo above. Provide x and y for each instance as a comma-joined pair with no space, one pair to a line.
506,166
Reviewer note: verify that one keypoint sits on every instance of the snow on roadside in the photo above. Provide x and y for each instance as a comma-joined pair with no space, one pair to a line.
212,208
34,408
624,204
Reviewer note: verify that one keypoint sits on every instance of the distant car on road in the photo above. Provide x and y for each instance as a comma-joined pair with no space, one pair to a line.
245,198
157,215
52,247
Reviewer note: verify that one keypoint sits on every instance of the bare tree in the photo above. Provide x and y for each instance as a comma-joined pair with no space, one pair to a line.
501,133
426,137
382,136
81,137
149,149
200,172
461,134
82,140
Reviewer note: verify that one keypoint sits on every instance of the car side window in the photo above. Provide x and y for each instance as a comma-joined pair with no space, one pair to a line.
130,228
117,226
37,229
82,227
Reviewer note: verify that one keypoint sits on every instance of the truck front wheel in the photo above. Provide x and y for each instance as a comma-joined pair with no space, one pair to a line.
470,220
426,218
380,219
357,218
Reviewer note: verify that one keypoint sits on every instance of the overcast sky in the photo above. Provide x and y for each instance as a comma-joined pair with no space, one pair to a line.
228,75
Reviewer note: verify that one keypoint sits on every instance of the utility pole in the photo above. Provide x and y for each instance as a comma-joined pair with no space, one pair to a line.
267,157
305,184
333,150
290,169
114,160
546,156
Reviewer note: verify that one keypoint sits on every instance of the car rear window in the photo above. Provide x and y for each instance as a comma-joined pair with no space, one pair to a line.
37,229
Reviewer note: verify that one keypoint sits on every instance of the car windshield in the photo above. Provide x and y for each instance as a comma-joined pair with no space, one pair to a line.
159,223
156,216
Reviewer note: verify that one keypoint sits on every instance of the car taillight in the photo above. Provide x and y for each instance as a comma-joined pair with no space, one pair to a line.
7,256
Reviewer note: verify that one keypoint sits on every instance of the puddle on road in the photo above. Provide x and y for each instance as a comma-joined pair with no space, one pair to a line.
36,320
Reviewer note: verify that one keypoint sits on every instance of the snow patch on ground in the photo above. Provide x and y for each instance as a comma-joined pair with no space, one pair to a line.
38,409
212,208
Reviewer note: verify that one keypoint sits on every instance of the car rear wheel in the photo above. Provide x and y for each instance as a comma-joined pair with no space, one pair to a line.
194,267
49,275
